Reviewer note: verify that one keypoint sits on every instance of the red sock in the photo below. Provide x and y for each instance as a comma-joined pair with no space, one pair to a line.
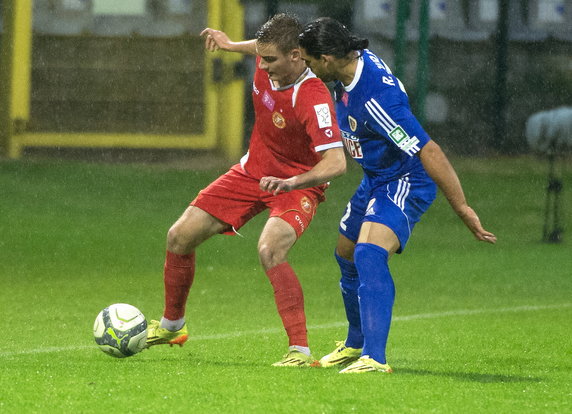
179,273
290,302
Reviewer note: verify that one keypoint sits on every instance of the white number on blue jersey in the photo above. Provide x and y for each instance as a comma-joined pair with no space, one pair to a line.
345,217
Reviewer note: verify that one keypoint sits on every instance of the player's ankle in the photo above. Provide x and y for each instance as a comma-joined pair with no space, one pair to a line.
172,326
303,349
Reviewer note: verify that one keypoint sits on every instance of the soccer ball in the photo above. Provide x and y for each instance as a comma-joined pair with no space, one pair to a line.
120,330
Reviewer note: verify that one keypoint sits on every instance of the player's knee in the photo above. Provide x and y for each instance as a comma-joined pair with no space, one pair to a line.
345,248
270,255
178,241
345,252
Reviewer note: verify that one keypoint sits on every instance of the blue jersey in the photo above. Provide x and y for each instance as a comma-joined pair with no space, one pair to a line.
378,128
383,136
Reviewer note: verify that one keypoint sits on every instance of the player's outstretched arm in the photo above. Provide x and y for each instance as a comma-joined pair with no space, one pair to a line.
441,171
218,40
332,165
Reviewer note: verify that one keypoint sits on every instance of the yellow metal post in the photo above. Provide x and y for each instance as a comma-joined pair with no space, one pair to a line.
16,72
214,13
4,113
229,90
223,101
231,96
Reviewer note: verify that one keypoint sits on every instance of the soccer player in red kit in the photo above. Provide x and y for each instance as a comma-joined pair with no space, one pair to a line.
295,149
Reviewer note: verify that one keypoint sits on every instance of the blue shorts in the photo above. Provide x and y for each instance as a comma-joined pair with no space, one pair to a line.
398,204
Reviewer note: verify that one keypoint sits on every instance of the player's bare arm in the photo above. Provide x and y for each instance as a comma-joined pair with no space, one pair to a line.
332,165
441,171
218,40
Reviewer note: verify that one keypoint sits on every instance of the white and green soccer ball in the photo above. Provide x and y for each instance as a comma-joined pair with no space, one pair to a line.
120,330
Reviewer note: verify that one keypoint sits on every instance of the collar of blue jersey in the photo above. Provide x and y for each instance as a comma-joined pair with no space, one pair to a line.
357,75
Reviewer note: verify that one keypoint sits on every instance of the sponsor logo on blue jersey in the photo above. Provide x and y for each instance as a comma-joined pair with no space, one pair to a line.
351,142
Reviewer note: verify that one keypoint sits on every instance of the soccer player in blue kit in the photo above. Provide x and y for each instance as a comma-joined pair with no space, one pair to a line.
401,165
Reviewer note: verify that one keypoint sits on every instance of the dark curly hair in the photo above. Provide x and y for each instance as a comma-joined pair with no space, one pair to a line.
327,36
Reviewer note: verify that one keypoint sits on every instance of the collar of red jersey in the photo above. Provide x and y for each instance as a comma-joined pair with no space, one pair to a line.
306,74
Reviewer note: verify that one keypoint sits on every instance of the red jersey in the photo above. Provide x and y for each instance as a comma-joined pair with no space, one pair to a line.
292,125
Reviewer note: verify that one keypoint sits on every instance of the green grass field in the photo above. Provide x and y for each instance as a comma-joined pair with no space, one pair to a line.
477,328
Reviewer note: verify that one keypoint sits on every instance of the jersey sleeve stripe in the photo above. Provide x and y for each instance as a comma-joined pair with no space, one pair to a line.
331,145
408,144
377,112
376,116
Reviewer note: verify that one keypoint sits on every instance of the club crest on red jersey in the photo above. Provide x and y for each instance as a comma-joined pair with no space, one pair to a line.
306,204
278,120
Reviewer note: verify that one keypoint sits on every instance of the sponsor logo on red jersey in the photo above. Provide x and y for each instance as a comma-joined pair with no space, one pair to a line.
268,101
323,115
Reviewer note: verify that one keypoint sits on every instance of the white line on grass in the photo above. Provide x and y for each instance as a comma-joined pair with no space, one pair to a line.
231,335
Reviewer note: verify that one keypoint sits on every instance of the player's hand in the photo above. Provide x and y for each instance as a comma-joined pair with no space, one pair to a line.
276,185
215,40
472,221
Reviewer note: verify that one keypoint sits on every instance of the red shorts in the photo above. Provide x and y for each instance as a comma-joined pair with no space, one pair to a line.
236,197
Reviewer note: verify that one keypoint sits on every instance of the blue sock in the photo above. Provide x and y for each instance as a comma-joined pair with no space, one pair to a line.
376,296
349,284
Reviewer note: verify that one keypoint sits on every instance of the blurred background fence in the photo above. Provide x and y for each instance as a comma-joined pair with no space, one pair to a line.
129,74
133,73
